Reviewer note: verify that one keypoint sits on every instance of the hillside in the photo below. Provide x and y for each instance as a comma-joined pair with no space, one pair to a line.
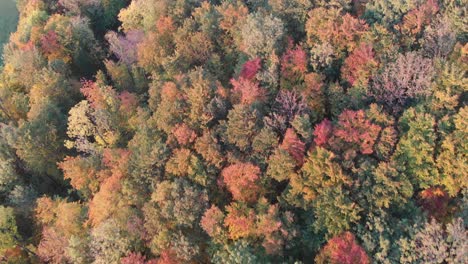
234,132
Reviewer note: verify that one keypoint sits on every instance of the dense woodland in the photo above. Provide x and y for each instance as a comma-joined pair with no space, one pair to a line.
228,131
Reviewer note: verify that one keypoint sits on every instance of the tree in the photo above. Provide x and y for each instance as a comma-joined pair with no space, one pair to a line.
415,150
125,47
8,230
342,249
109,242
439,38
331,26
293,66
435,202
414,21
293,145
156,47
450,161
359,65
172,216
242,126
318,174
261,35
409,77
248,91
355,132
242,180
287,105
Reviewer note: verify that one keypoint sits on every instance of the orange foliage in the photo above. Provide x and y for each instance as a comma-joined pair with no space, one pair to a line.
242,181
232,14
106,202
343,32
240,222
82,174
416,19
184,134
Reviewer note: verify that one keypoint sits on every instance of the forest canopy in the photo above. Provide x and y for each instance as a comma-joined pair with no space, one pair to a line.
229,131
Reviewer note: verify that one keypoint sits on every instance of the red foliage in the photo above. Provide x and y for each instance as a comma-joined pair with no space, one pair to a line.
293,62
353,128
249,91
212,220
323,132
133,258
184,134
343,249
435,202
293,145
50,43
128,102
242,181
251,68
358,66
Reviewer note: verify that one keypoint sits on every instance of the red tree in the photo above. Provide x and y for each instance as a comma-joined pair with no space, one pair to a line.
242,181
323,132
249,91
293,62
358,66
183,134
343,249
133,258
293,145
354,131
251,68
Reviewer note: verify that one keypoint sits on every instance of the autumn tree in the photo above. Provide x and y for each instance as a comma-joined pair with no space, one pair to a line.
407,78
261,35
342,249
242,180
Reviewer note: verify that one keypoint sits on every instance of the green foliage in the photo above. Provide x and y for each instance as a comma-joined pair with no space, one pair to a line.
228,131
8,230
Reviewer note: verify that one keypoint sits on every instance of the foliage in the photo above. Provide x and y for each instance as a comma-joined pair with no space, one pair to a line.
228,131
